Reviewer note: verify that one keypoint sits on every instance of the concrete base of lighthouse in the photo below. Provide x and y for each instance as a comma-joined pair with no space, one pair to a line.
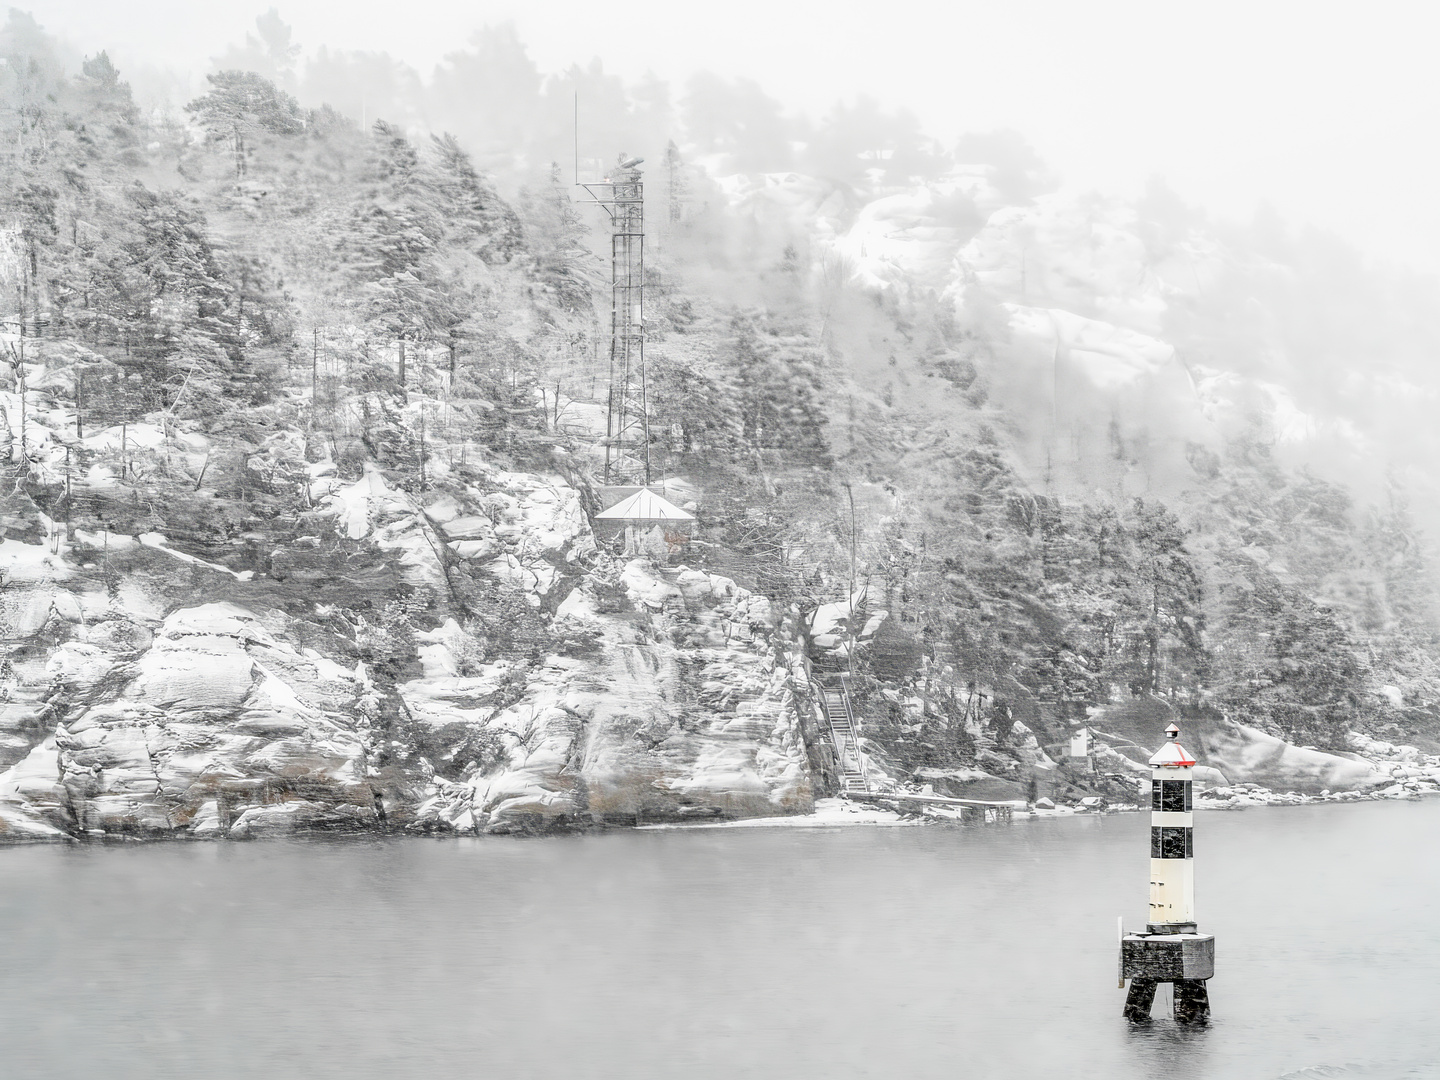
1185,959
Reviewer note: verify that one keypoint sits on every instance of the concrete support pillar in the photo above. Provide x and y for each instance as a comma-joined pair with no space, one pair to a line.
1192,1001
1139,1000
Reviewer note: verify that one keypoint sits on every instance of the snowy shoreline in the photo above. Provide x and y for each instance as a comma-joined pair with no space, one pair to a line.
840,813
829,813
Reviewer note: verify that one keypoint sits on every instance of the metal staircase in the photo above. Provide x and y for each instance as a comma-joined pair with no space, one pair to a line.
835,699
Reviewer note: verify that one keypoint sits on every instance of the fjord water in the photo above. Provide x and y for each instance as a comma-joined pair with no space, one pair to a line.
794,953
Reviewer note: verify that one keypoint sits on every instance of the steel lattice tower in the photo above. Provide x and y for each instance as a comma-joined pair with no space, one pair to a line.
627,423
627,442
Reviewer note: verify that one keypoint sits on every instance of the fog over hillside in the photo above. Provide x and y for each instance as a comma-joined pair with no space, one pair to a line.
1315,111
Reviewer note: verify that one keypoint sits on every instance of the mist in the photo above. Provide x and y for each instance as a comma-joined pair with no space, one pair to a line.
1317,111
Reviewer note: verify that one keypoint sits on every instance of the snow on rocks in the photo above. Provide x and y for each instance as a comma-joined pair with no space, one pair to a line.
287,817
443,509
126,437
1080,253
31,789
444,695
523,531
527,512
1204,776
1380,750
1242,796
535,577
361,506
687,714
707,727
469,528
1027,748
104,539
578,606
827,813
158,542
1110,357
905,238
218,710
649,590
830,624
1247,754
545,512
22,708
371,508
17,827
30,563
1237,753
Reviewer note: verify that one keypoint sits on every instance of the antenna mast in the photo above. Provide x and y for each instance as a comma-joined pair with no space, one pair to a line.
679,187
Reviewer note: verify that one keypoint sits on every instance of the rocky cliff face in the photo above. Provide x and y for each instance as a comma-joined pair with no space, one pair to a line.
219,725
152,691
679,704
652,693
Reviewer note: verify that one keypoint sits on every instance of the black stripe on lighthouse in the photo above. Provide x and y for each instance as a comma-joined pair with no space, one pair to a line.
1172,842
1170,795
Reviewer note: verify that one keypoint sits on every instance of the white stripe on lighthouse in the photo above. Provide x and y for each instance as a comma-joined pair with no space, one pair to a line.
1171,820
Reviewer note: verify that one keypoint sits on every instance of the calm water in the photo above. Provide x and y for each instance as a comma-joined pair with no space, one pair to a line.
768,953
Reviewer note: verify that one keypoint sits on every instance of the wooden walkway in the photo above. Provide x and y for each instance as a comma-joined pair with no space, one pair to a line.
854,771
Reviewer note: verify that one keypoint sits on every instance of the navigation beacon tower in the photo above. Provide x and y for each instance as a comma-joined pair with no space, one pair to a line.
1170,949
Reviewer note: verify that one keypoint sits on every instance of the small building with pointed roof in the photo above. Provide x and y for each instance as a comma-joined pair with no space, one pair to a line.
644,505
646,524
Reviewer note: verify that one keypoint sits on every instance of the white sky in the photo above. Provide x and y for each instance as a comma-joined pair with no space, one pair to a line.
1329,110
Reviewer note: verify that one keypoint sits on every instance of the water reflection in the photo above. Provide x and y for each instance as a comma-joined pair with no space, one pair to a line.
1165,1048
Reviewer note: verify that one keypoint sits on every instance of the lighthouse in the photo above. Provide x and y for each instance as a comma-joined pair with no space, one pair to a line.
1171,948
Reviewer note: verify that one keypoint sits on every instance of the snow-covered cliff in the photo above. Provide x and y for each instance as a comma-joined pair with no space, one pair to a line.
655,693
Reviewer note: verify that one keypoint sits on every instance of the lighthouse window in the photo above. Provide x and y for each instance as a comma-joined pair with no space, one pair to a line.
1170,795
1167,842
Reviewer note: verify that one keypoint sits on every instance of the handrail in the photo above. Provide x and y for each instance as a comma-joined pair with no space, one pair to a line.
854,732
910,796
837,745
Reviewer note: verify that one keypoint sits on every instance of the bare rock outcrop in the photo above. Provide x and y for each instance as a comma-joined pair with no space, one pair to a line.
681,707
219,724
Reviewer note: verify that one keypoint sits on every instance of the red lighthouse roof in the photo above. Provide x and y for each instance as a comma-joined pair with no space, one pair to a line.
1172,754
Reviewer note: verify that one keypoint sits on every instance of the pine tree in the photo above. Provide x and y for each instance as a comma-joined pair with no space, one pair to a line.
395,233
563,265
478,221
777,387
243,107
1164,600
